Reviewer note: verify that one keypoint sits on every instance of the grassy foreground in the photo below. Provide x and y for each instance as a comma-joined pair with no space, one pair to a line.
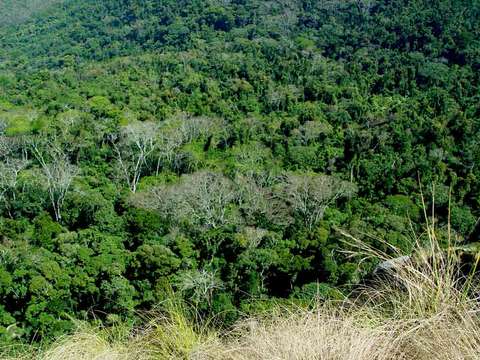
424,309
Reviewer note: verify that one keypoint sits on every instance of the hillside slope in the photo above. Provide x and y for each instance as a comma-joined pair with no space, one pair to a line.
216,151
102,29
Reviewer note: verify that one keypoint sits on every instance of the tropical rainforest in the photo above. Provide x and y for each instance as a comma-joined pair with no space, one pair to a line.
218,150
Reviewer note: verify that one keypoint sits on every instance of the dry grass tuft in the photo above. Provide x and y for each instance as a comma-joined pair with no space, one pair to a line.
324,333
425,309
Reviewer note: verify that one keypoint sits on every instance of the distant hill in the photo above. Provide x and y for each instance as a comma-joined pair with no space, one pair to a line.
95,30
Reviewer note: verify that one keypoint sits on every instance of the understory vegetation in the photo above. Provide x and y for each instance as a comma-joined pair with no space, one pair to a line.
226,155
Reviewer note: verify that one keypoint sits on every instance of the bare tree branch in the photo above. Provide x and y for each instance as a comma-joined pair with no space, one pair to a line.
136,144
310,195
58,174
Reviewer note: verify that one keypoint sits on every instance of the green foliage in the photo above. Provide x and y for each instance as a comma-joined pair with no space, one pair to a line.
222,113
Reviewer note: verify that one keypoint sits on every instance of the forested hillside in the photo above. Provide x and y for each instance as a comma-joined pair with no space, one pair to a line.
214,149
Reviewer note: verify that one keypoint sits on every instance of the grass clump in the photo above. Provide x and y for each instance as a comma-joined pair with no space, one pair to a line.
423,308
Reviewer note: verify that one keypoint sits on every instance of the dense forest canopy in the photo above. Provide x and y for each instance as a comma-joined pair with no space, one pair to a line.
214,149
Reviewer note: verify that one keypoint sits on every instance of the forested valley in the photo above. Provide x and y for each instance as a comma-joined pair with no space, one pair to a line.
219,151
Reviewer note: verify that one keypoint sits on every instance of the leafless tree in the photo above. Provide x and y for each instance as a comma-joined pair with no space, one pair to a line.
202,283
207,198
180,130
288,18
253,236
310,131
275,98
364,6
252,156
135,145
58,174
192,127
202,198
169,142
278,96
9,172
310,195
11,146
195,127
256,198
67,125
